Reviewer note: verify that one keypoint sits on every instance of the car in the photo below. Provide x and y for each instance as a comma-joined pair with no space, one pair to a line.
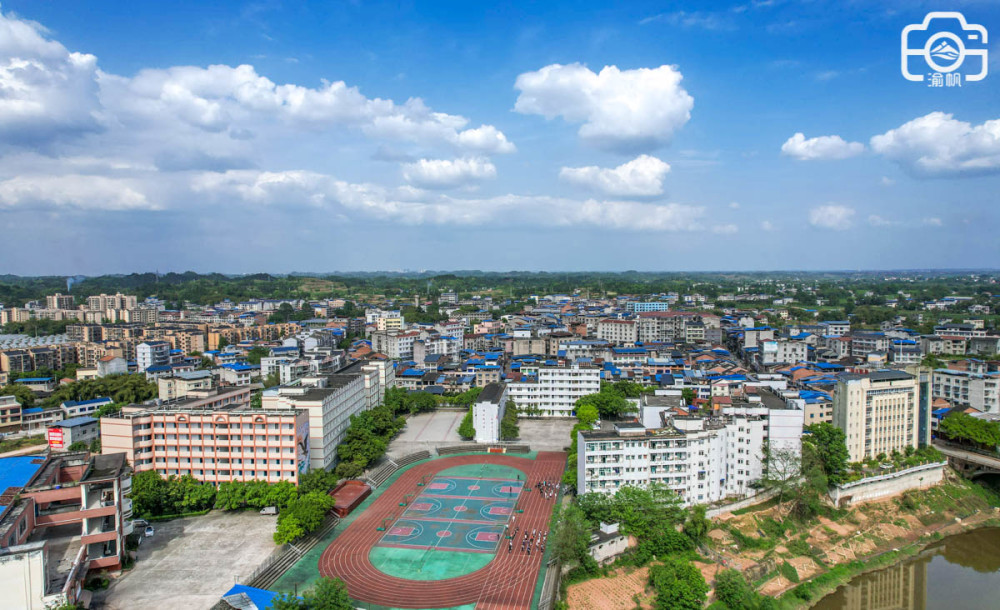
149,531
269,510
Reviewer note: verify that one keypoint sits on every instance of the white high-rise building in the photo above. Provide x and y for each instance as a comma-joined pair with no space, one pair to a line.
878,412
488,411
152,353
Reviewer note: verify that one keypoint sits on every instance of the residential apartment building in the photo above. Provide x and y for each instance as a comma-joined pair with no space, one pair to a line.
60,301
979,390
618,331
215,437
10,414
643,306
702,459
152,353
554,390
181,384
878,412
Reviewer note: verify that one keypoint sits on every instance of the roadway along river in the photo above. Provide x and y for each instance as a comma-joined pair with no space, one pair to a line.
960,572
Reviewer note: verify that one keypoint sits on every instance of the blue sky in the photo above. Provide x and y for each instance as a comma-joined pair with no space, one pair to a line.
270,136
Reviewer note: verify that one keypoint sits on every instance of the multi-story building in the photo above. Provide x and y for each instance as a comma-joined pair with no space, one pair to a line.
487,412
553,390
181,384
214,436
878,412
105,302
63,434
76,408
10,414
330,401
618,331
979,390
397,345
644,306
59,301
702,459
152,353
88,494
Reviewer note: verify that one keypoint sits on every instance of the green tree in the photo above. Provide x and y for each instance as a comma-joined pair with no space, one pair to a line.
696,525
256,353
466,429
326,594
679,585
301,516
571,537
831,449
317,480
733,590
20,391
588,415
508,423
688,395
79,446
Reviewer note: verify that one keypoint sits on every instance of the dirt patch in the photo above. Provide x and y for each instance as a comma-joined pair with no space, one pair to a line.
615,592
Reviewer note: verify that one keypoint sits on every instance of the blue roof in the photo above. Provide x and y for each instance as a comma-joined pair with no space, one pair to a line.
940,412
158,367
17,471
261,598
239,366
33,379
32,410
75,421
93,401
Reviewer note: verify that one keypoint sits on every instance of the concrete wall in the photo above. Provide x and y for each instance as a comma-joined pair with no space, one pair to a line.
890,484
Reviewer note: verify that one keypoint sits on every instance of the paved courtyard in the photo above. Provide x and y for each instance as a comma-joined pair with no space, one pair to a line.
426,431
191,562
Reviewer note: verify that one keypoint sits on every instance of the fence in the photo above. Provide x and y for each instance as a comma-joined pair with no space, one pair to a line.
550,588
286,555
485,448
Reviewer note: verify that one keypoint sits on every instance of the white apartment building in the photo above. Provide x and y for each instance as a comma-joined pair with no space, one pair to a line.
618,331
702,459
395,344
487,412
878,412
554,390
331,400
981,391
152,353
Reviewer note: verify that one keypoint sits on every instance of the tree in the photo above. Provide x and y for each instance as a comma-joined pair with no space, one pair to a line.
609,404
688,395
79,446
679,585
733,590
256,353
781,470
317,480
588,415
964,428
302,516
327,594
508,423
466,429
696,525
831,449
570,538
20,391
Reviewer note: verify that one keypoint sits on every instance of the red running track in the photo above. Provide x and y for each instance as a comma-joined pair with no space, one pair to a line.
507,582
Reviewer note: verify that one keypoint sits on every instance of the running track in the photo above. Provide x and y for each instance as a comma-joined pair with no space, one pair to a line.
508,582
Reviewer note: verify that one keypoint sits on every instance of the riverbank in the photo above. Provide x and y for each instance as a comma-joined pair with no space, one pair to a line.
799,563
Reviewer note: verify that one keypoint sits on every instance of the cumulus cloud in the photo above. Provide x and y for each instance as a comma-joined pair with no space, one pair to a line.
877,221
939,146
820,148
72,191
625,111
832,216
767,225
640,177
448,173
46,92
416,207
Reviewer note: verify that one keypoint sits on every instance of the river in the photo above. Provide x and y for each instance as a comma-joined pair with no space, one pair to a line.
960,572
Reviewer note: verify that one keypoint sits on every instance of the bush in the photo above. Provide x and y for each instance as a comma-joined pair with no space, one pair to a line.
799,546
788,571
303,515
679,585
465,429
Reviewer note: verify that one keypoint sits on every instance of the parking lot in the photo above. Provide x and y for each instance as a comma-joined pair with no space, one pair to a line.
191,562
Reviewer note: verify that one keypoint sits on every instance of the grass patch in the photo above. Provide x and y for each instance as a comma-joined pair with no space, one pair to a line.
13,444
788,571
757,507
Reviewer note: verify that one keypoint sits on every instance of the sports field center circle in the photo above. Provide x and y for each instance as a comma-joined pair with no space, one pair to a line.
427,576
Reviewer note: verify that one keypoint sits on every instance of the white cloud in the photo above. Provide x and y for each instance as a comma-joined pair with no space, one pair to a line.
625,111
832,216
887,181
46,92
640,177
877,221
938,146
820,148
767,225
448,173
415,207
727,229
932,222
735,205
72,191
